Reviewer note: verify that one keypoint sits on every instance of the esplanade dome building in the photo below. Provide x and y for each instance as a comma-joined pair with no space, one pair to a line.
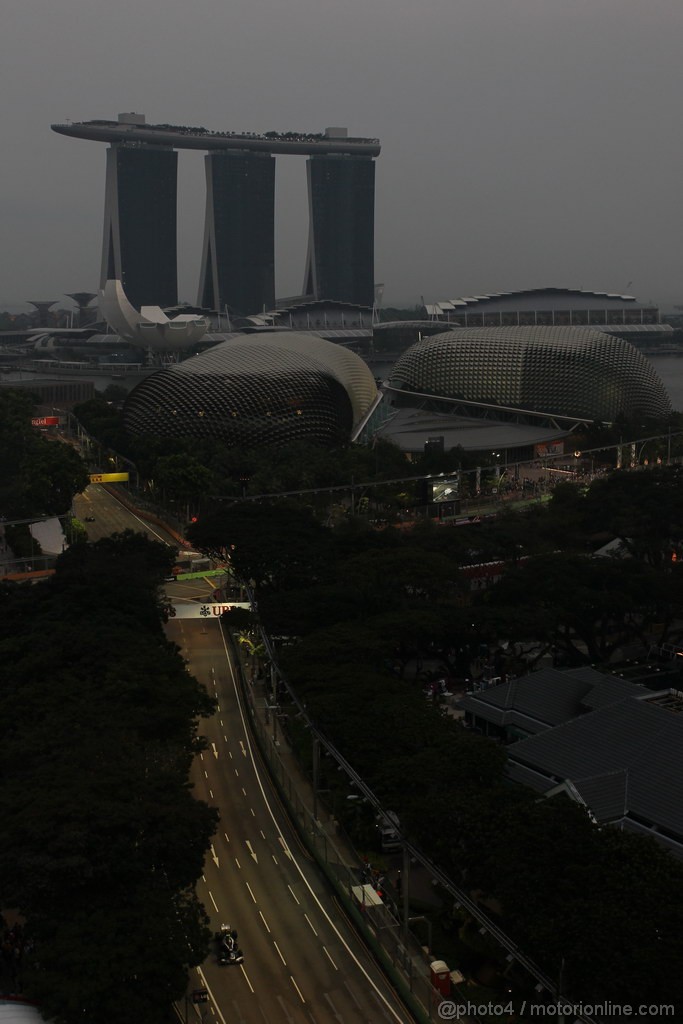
253,390
573,373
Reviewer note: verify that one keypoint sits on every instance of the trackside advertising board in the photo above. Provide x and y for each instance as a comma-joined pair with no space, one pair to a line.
198,610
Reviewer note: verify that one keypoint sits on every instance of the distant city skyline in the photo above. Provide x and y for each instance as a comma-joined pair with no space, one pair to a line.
525,144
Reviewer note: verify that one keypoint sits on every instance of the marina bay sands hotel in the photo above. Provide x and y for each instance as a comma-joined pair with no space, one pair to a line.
238,255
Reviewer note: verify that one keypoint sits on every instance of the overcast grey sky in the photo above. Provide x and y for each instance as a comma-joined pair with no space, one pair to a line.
525,143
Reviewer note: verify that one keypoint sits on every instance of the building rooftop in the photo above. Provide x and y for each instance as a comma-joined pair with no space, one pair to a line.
549,697
132,128
624,759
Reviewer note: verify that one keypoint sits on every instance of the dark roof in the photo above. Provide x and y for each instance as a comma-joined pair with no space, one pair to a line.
606,795
626,753
548,698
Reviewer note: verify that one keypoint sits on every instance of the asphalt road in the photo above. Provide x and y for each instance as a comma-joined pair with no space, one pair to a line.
304,964
110,516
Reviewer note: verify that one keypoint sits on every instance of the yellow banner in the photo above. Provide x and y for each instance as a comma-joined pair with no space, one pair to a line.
107,478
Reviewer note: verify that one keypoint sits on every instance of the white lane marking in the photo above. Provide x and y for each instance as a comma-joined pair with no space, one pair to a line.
251,851
262,833
325,950
298,989
218,707
253,812
244,752
309,921
293,893
264,921
206,774
230,753
385,1002
226,740
250,892
221,721
247,978
244,791
279,952
215,752
210,792
205,984
215,858
226,837
274,858
213,900
202,756
238,863
236,773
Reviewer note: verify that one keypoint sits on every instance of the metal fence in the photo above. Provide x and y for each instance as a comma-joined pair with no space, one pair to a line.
398,950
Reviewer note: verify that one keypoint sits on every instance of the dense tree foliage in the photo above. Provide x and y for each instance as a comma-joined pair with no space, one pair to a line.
364,604
37,476
102,838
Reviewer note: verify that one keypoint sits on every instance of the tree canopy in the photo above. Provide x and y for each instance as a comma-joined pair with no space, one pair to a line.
103,840
37,476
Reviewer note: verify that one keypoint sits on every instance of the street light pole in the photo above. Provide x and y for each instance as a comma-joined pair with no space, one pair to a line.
316,768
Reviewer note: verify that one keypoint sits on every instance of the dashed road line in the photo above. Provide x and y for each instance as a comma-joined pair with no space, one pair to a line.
293,893
298,989
327,954
279,952
247,978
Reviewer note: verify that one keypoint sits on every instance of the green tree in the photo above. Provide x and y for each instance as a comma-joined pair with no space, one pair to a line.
104,840
37,476
183,477
250,536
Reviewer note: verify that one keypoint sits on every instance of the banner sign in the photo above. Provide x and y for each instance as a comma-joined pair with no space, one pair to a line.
550,448
198,610
108,478
45,421
200,575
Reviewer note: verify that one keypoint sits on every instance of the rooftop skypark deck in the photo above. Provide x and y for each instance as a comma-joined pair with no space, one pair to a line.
131,128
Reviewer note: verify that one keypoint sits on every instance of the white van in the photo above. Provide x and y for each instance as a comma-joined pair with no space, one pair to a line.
389,837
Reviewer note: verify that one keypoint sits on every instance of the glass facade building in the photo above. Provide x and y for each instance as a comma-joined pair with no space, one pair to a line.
257,390
238,258
563,371
140,223
341,255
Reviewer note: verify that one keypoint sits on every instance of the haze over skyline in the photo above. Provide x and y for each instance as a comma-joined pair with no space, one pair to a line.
525,143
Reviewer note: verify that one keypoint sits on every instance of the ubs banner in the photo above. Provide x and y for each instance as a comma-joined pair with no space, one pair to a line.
197,610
